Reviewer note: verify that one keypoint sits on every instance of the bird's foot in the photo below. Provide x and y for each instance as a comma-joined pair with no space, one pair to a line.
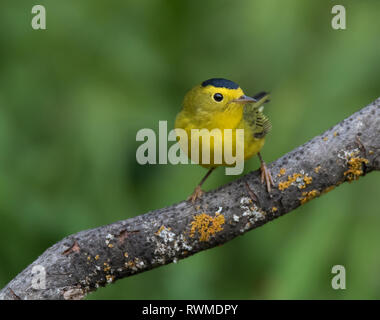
266,176
197,194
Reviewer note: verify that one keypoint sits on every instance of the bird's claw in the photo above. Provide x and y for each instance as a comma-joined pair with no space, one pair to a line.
197,194
266,176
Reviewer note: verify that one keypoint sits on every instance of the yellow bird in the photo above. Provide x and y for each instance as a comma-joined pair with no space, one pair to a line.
221,104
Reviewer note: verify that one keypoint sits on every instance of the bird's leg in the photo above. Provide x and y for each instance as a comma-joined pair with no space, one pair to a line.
198,189
265,174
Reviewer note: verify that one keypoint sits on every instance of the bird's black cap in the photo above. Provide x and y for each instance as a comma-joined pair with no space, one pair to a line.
220,83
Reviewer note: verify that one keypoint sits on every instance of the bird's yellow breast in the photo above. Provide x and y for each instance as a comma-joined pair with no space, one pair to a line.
231,119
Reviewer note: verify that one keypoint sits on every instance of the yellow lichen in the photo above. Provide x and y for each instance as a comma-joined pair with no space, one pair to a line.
316,169
110,245
97,257
307,196
355,168
325,139
370,152
335,134
126,254
206,225
282,172
274,209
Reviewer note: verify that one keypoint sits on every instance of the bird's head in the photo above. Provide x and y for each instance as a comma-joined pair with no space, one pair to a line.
214,95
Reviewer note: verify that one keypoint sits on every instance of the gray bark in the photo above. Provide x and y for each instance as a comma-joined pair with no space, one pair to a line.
82,262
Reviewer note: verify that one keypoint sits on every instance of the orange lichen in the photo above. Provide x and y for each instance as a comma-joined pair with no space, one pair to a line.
106,267
159,230
206,225
282,172
307,196
307,179
286,184
355,168
134,264
316,169
301,179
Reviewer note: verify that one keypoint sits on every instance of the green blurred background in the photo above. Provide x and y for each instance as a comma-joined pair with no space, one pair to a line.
72,98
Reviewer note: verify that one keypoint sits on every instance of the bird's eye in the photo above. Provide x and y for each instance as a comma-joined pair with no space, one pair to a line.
218,97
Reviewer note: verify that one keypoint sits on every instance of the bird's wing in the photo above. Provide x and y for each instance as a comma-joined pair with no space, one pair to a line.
254,116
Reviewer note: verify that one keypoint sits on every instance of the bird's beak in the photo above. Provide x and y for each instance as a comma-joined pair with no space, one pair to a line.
244,99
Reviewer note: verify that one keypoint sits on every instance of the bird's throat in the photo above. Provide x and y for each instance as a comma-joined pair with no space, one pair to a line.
228,119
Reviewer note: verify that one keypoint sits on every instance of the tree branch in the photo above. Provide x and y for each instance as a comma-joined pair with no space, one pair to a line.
82,262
